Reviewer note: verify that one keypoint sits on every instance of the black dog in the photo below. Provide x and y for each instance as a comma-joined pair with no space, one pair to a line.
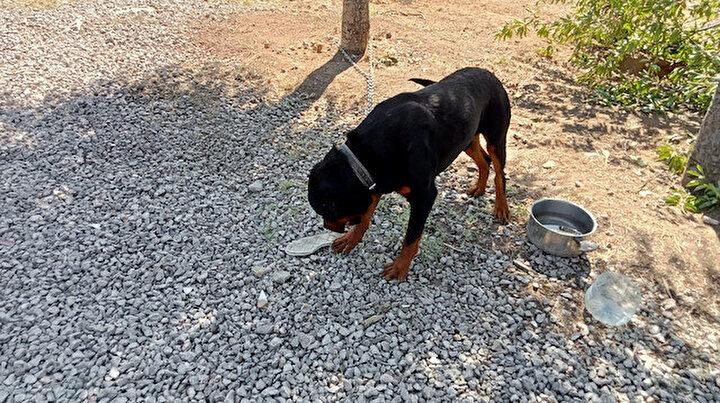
402,145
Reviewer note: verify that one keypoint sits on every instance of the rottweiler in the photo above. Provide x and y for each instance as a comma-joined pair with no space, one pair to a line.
402,145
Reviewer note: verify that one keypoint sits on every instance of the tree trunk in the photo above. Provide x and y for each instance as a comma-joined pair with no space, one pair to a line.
355,26
707,145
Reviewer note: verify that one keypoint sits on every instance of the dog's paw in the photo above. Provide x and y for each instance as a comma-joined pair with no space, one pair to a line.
346,243
476,190
502,213
396,270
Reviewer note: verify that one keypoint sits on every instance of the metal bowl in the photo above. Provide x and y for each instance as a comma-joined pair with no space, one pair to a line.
559,227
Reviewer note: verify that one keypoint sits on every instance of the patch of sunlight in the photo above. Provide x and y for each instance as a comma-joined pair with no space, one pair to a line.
33,4
249,2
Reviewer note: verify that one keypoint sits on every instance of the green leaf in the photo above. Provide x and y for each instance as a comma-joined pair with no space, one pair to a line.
605,34
708,203
672,200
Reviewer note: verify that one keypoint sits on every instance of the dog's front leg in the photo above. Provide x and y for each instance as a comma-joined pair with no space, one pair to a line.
421,202
349,241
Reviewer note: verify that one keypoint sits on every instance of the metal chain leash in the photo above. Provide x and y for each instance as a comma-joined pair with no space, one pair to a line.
369,76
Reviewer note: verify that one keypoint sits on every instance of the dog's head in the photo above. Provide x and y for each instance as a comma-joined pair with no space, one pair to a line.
336,193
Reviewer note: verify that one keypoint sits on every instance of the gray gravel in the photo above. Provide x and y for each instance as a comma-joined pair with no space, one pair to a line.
144,207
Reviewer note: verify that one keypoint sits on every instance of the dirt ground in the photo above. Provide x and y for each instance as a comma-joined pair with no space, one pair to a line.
604,158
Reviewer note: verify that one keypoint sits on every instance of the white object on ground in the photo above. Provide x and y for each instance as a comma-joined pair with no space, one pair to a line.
311,244
262,300
550,164
613,299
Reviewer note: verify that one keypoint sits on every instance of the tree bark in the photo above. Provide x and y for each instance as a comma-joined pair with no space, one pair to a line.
707,144
355,26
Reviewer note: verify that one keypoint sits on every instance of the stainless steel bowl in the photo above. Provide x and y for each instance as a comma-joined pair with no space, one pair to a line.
560,227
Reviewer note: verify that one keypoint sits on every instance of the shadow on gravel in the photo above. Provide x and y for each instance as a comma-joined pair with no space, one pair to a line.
142,220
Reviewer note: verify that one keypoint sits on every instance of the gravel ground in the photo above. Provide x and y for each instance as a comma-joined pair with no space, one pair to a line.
145,199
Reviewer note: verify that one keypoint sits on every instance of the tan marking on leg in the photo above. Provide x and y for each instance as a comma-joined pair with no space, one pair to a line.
399,268
502,212
349,241
476,152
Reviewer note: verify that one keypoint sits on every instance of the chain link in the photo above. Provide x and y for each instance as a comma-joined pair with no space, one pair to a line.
369,76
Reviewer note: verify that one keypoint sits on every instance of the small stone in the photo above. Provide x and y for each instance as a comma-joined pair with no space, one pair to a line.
270,391
521,265
387,378
260,271
281,277
29,379
549,164
371,392
428,392
607,397
578,184
669,304
256,186
264,329
276,342
114,373
646,193
262,300
372,320
710,221
306,340
389,60
183,368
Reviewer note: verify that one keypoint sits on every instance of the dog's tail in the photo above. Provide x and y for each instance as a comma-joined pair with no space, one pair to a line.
422,81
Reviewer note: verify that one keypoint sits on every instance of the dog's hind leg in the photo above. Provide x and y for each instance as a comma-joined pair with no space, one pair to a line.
496,142
482,160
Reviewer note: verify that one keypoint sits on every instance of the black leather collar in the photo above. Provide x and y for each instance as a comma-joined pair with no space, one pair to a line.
360,171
